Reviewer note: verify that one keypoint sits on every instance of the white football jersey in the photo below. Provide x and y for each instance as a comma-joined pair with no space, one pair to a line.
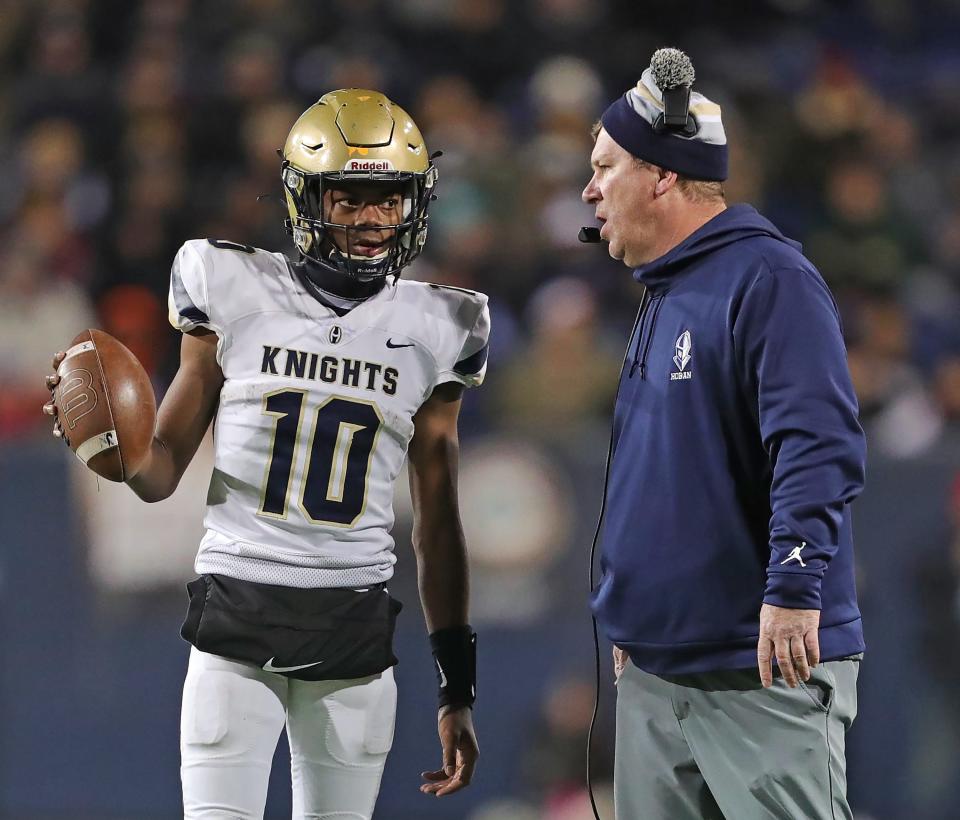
316,410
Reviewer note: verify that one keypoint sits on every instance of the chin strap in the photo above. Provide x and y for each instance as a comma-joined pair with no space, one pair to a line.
335,289
336,255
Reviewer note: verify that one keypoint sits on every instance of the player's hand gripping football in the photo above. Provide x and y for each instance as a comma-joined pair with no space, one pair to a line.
460,753
103,404
51,381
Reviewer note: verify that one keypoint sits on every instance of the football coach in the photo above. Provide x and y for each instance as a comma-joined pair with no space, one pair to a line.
727,563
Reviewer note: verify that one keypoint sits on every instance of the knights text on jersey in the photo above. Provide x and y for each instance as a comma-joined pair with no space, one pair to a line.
316,410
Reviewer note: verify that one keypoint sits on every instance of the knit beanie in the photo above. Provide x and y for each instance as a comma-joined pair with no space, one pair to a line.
663,122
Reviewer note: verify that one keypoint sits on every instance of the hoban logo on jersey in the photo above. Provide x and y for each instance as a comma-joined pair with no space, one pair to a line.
684,353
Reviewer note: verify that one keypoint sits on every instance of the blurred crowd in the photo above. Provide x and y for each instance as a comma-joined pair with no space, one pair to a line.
130,126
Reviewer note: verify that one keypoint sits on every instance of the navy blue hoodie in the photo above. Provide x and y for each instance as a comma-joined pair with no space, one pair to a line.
736,453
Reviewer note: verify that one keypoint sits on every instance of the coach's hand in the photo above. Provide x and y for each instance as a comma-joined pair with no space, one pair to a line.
620,660
460,752
790,635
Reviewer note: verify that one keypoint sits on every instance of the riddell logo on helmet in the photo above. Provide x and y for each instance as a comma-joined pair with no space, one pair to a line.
368,165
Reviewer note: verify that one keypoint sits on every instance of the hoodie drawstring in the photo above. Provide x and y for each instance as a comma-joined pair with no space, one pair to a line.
645,332
646,347
641,318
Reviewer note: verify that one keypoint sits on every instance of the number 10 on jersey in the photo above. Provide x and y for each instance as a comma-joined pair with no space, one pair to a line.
333,489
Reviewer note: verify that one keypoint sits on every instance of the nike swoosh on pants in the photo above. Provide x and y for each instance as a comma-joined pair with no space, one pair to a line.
269,667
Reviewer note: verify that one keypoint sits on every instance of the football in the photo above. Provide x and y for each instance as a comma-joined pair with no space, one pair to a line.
105,405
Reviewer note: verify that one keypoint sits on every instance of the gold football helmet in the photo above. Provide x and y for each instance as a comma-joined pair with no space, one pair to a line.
356,134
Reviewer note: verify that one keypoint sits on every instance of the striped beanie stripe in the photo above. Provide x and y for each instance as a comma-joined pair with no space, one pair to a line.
635,122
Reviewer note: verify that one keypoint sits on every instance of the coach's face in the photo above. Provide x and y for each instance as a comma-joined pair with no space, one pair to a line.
623,192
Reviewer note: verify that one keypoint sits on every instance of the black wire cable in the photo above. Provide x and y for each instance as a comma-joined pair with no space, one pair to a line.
593,552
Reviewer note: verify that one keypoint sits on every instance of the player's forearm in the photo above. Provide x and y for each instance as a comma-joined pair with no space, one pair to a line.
182,421
442,572
181,425
437,533
158,477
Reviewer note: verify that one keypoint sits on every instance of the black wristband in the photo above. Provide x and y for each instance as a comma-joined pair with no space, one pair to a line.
455,656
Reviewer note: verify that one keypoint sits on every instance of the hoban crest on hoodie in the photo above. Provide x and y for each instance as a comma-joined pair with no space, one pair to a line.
682,357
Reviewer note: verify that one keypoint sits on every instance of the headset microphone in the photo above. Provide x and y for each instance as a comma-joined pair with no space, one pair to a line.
589,235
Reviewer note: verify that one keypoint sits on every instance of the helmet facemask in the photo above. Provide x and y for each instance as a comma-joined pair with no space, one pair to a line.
316,235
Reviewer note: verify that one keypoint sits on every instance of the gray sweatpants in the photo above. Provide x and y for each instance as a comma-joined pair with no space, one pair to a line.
717,745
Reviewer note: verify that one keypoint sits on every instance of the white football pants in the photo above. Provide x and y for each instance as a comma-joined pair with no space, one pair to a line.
339,734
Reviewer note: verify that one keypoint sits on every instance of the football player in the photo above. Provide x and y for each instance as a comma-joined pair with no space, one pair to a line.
321,374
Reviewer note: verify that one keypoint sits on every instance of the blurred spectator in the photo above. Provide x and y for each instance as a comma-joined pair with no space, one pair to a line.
58,77
947,389
863,242
554,766
138,319
518,524
38,316
568,372
897,411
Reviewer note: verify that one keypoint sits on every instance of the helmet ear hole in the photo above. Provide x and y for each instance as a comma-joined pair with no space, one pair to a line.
303,239
293,180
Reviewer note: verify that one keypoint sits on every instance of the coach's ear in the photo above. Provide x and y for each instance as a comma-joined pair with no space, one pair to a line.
666,181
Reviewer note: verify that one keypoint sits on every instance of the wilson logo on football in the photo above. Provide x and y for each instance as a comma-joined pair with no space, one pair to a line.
77,396
368,165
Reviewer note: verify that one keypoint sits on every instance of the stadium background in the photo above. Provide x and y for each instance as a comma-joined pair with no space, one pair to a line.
127,127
